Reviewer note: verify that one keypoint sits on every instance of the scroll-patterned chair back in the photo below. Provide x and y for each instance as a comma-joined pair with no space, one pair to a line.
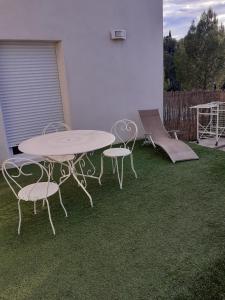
125,132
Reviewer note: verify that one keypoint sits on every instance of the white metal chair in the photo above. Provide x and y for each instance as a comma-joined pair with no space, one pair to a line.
15,171
50,161
55,127
63,160
125,132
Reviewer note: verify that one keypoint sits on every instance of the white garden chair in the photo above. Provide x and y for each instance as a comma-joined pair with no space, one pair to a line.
55,127
56,159
125,132
14,171
64,160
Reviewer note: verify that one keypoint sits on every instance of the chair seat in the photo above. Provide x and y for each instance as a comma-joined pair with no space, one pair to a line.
38,191
116,152
61,158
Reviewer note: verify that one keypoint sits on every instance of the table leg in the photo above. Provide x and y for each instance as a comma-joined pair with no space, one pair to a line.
70,165
74,174
83,188
89,172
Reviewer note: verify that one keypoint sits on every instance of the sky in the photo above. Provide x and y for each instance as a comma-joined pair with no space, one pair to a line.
178,14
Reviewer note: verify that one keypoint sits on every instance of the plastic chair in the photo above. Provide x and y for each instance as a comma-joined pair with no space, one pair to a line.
125,132
15,171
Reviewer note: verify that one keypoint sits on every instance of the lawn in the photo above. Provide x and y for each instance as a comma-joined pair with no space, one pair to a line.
161,237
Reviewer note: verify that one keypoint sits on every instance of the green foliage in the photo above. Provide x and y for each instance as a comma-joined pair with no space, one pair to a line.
169,45
180,62
199,59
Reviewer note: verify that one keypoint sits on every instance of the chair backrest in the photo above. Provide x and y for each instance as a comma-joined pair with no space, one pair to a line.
55,127
152,124
16,171
125,132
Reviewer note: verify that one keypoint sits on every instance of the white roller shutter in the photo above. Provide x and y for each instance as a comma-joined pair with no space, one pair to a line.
29,89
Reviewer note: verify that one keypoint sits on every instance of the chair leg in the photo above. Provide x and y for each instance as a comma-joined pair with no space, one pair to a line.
120,176
35,209
113,165
102,169
61,169
61,202
83,188
49,216
50,169
132,165
19,210
175,136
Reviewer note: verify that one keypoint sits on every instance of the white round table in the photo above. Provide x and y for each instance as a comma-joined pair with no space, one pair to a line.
77,142
67,142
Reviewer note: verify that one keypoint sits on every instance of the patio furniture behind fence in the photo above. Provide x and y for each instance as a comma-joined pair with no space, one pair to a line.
210,121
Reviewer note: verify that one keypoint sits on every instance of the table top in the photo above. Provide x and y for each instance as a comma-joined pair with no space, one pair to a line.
67,142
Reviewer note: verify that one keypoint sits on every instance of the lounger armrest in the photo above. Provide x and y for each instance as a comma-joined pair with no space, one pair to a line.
178,131
148,138
147,135
175,132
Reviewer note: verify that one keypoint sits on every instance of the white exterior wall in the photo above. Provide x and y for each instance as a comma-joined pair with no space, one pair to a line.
107,80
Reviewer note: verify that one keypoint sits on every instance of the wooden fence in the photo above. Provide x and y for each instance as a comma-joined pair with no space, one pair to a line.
177,112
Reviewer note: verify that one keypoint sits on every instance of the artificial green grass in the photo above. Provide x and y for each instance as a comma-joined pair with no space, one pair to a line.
161,237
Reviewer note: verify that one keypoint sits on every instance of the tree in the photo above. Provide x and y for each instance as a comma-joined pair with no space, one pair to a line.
181,65
200,57
170,82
